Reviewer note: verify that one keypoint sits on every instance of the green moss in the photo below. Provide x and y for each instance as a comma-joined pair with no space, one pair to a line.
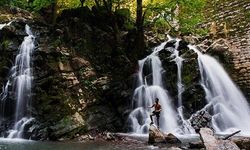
247,16
5,44
187,78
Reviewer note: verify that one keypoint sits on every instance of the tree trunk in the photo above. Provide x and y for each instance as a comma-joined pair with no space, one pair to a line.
140,45
54,12
82,2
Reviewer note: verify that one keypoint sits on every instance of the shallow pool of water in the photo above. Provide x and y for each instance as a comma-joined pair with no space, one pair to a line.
138,142
18,144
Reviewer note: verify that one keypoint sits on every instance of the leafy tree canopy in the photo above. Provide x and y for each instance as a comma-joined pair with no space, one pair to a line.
178,15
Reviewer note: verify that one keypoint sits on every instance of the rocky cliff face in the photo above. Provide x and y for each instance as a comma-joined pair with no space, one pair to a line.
229,19
81,74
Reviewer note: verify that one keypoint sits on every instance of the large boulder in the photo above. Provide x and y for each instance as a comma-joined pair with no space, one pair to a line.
172,139
211,143
242,142
157,136
201,119
70,124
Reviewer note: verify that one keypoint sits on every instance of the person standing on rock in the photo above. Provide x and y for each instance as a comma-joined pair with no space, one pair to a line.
156,112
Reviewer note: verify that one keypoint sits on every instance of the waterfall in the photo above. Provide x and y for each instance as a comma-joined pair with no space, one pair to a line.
186,125
149,87
20,82
225,102
227,105
179,62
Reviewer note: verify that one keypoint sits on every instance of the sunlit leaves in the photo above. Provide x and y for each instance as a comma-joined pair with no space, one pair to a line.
181,15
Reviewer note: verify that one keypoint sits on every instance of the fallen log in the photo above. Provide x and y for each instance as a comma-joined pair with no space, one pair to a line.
227,137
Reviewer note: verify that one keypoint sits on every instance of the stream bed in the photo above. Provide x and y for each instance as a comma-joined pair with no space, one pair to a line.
130,142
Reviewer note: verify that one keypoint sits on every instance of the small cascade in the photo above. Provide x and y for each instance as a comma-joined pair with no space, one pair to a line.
149,87
227,105
19,85
5,24
186,125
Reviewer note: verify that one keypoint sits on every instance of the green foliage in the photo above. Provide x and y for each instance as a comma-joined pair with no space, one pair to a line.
176,15
248,16
38,4
191,15
4,2
181,15
5,44
19,3
31,5
66,4
125,14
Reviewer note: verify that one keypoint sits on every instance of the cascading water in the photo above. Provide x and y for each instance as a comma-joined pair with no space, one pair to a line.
5,24
228,106
147,91
186,125
179,62
226,103
20,80
150,86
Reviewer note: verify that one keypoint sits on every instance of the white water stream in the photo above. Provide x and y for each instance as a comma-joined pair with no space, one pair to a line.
20,80
147,91
229,108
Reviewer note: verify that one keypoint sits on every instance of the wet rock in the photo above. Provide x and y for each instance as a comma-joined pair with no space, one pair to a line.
59,31
196,145
174,148
101,81
170,44
183,45
202,119
65,67
91,137
78,62
89,72
211,143
208,138
71,78
67,125
83,138
155,135
227,144
242,142
86,138
61,139
110,136
8,31
172,139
